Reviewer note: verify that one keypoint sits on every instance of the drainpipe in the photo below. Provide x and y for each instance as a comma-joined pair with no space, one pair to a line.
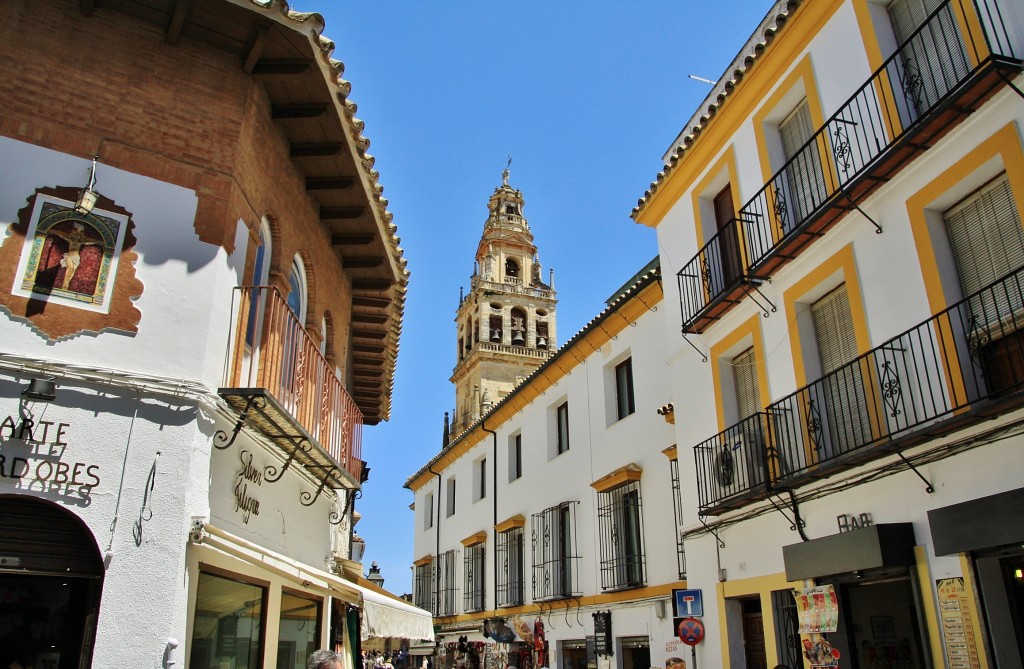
494,495
437,537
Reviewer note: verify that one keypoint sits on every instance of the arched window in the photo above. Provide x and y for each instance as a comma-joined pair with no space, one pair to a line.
511,269
297,289
518,327
260,270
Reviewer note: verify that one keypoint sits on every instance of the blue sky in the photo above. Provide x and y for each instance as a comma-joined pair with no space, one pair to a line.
584,96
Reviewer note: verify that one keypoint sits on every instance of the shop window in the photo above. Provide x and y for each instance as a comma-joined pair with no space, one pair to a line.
621,537
624,403
228,623
515,457
511,555
555,560
474,574
298,633
445,588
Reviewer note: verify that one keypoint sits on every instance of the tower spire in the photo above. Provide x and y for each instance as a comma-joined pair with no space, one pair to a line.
504,174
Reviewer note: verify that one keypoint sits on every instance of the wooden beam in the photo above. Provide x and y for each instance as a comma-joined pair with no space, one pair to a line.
177,21
368,385
298,111
315,150
367,361
341,213
369,373
329,183
376,319
367,348
369,334
371,302
371,284
280,67
352,240
363,262
254,47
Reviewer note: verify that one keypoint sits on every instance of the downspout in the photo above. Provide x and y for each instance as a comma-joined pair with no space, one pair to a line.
437,540
494,495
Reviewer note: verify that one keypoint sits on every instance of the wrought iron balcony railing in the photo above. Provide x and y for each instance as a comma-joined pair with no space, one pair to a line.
942,72
276,371
919,384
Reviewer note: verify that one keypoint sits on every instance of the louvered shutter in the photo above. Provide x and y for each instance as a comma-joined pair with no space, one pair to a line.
935,59
840,397
803,175
988,243
744,372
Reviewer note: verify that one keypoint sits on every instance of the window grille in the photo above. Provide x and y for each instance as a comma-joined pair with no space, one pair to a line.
555,560
511,554
621,537
423,587
677,509
473,569
787,634
445,590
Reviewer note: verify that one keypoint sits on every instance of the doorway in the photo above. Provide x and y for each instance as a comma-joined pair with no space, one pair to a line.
1000,575
879,623
50,585
636,653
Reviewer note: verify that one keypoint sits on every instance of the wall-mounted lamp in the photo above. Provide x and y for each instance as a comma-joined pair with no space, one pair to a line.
87,198
41,390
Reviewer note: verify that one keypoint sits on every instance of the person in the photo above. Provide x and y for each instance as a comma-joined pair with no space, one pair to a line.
324,659
76,239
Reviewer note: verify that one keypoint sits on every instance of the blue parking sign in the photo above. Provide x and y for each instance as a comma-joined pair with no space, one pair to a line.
688,603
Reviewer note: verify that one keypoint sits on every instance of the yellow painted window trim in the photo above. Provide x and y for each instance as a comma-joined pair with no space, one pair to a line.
802,72
510,523
728,163
672,452
475,538
426,559
750,328
843,260
1004,143
621,476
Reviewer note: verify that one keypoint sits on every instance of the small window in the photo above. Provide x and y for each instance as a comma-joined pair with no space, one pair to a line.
428,511
624,388
451,496
562,427
297,290
515,457
480,479
511,269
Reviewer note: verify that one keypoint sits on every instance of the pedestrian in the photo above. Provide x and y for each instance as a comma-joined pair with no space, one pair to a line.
324,659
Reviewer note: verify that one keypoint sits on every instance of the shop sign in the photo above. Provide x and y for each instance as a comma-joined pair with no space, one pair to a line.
603,632
853,521
31,452
957,624
817,609
246,504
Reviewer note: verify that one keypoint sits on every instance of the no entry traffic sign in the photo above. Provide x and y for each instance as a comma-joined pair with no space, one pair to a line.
690,631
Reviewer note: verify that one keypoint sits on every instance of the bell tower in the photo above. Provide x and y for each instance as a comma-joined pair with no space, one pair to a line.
506,324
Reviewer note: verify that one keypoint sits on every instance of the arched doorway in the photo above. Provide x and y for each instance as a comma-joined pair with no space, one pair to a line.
51,577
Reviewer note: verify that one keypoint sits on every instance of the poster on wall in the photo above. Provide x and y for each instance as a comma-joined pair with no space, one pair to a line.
817,609
957,624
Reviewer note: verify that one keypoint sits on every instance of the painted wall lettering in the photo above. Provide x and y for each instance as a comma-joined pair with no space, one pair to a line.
23,462
244,503
32,431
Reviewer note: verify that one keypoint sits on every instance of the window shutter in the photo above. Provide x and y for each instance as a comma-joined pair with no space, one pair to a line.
840,397
937,54
744,372
803,175
987,240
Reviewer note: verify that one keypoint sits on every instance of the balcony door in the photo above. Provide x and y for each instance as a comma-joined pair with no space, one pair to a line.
934,59
803,179
840,406
987,240
729,268
748,406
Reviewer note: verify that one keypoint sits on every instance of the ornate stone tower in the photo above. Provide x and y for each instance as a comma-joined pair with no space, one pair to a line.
506,325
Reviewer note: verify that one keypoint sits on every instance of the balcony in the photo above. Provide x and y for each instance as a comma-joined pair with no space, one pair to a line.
278,381
959,367
961,55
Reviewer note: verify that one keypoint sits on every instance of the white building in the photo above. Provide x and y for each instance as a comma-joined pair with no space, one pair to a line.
553,514
196,325
842,216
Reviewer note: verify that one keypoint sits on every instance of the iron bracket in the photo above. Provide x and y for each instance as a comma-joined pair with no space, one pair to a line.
929,488
222,436
704,358
707,527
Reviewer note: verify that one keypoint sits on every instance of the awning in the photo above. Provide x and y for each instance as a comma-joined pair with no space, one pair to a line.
986,522
385,615
872,547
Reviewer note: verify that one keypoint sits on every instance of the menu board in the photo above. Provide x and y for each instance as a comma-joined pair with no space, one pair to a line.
957,624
